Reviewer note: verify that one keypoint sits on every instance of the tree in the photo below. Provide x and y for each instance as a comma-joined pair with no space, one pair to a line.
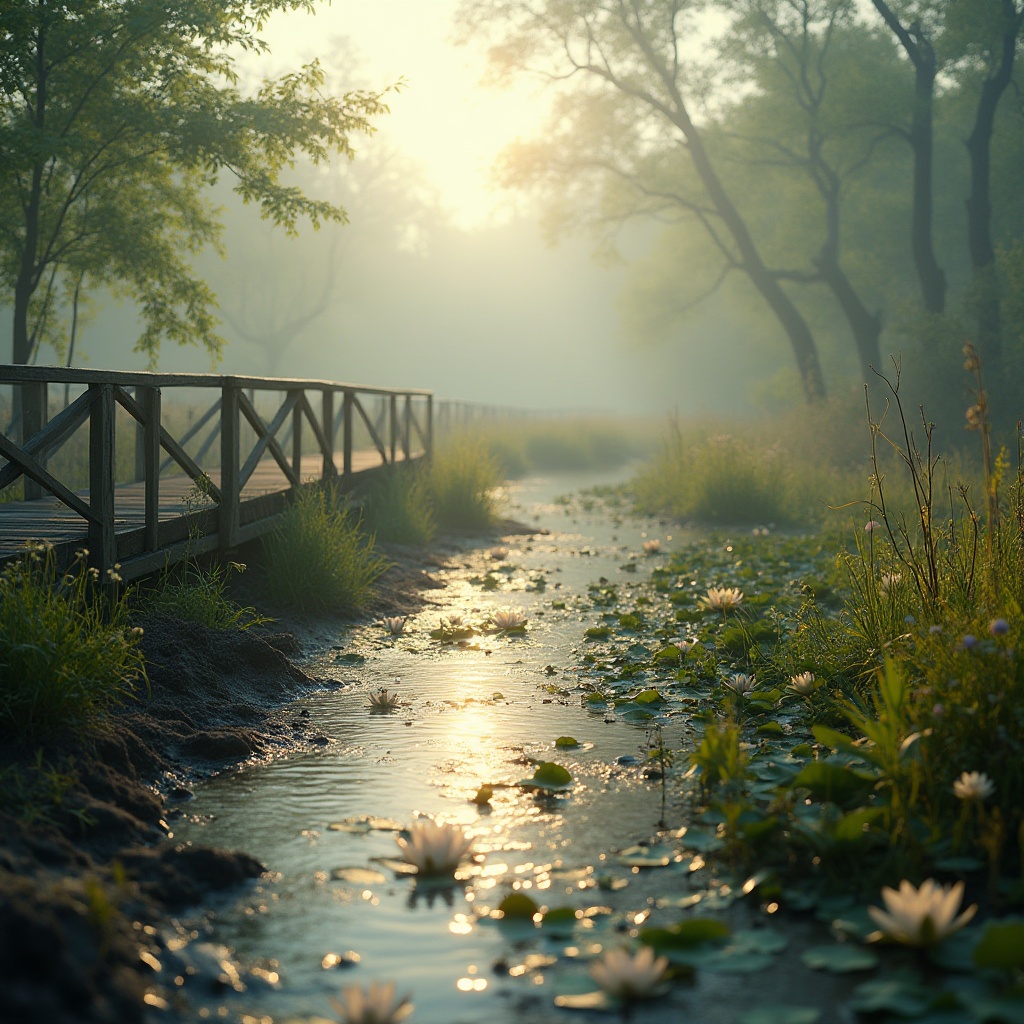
631,119
115,118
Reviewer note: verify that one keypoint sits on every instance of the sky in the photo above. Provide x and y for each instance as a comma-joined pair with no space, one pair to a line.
443,117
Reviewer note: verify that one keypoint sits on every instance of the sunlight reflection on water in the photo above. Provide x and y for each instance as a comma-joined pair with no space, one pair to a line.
469,716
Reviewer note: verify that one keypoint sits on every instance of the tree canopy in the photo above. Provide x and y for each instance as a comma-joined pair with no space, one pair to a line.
116,117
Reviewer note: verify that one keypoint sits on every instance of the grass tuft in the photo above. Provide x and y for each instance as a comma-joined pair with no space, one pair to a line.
398,508
463,481
199,595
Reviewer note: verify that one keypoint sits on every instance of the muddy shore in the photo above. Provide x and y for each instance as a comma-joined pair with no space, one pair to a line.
90,873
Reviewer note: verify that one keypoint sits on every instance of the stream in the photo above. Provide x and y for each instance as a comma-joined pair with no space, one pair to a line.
332,914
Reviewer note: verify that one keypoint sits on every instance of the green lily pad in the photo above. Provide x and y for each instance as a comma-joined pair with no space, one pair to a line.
366,823
839,958
781,1015
659,856
1001,947
549,777
894,995
833,782
561,920
650,696
518,905
567,741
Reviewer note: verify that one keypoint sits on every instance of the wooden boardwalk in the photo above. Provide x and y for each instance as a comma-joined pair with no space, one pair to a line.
175,508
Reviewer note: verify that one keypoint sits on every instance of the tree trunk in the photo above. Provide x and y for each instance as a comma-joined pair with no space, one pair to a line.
919,49
865,326
987,312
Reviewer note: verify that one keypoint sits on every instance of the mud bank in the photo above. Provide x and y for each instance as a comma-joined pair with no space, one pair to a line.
89,869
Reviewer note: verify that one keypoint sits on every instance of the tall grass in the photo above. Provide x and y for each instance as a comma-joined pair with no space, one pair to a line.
463,481
398,507
66,653
318,559
195,594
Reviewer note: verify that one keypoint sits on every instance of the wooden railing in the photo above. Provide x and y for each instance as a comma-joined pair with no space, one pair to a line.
312,426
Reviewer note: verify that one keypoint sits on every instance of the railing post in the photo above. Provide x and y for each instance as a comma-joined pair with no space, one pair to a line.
140,439
297,441
102,541
149,399
430,427
394,425
329,469
406,425
346,439
229,465
34,415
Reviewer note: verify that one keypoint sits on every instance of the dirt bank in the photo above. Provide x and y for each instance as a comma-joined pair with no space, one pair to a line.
89,872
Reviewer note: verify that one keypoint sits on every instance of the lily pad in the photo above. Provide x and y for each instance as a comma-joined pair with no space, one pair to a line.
659,856
1001,947
566,742
550,778
895,995
366,823
839,958
781,1015
585,1001
518,905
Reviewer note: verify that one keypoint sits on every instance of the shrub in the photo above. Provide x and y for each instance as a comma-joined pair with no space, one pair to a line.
317,559
198,595
397,508
462,483
66,653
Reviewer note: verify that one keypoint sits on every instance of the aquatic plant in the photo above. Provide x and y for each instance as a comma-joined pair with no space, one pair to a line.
196,594
508,619
741,684
922,916
652,546
383,700
376,1005
499,554
803,684
434,849
722,599
393,624
627,976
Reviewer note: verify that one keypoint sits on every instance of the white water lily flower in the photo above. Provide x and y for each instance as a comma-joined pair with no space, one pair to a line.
722,599
499,554
394,624
508,618
888,581
434,849
377,1005
652,546
922,917
804,684
383,700
974,786
624,976
741,684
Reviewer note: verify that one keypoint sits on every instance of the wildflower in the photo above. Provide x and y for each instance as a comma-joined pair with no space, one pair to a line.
683,646
909,620
922,917
383,700
137,631
805,683
871,525
499,554
508,618
999,627
938,710
377,1005
742,684
433,848
722,599
652,546
453,621
628,977
935,630
393,624
888,581
968,642
974,786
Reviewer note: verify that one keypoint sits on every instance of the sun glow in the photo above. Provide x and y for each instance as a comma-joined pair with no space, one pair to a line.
442,117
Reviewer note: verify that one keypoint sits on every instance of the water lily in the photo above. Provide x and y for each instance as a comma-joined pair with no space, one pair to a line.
377,1005
433,848
652,546
974,786
383,700
741,684
393,624
508,618
804,683
624,976
722,599
871,525
889,581
499,554
924,916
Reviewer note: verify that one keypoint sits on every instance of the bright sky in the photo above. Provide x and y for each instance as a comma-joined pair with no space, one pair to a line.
443,118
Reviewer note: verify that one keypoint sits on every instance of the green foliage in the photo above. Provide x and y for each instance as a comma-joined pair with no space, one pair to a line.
195,594
115,120
462,483
318,559
67,652
398,508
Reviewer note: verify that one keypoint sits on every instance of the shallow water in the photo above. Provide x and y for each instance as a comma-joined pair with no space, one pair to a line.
470,715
